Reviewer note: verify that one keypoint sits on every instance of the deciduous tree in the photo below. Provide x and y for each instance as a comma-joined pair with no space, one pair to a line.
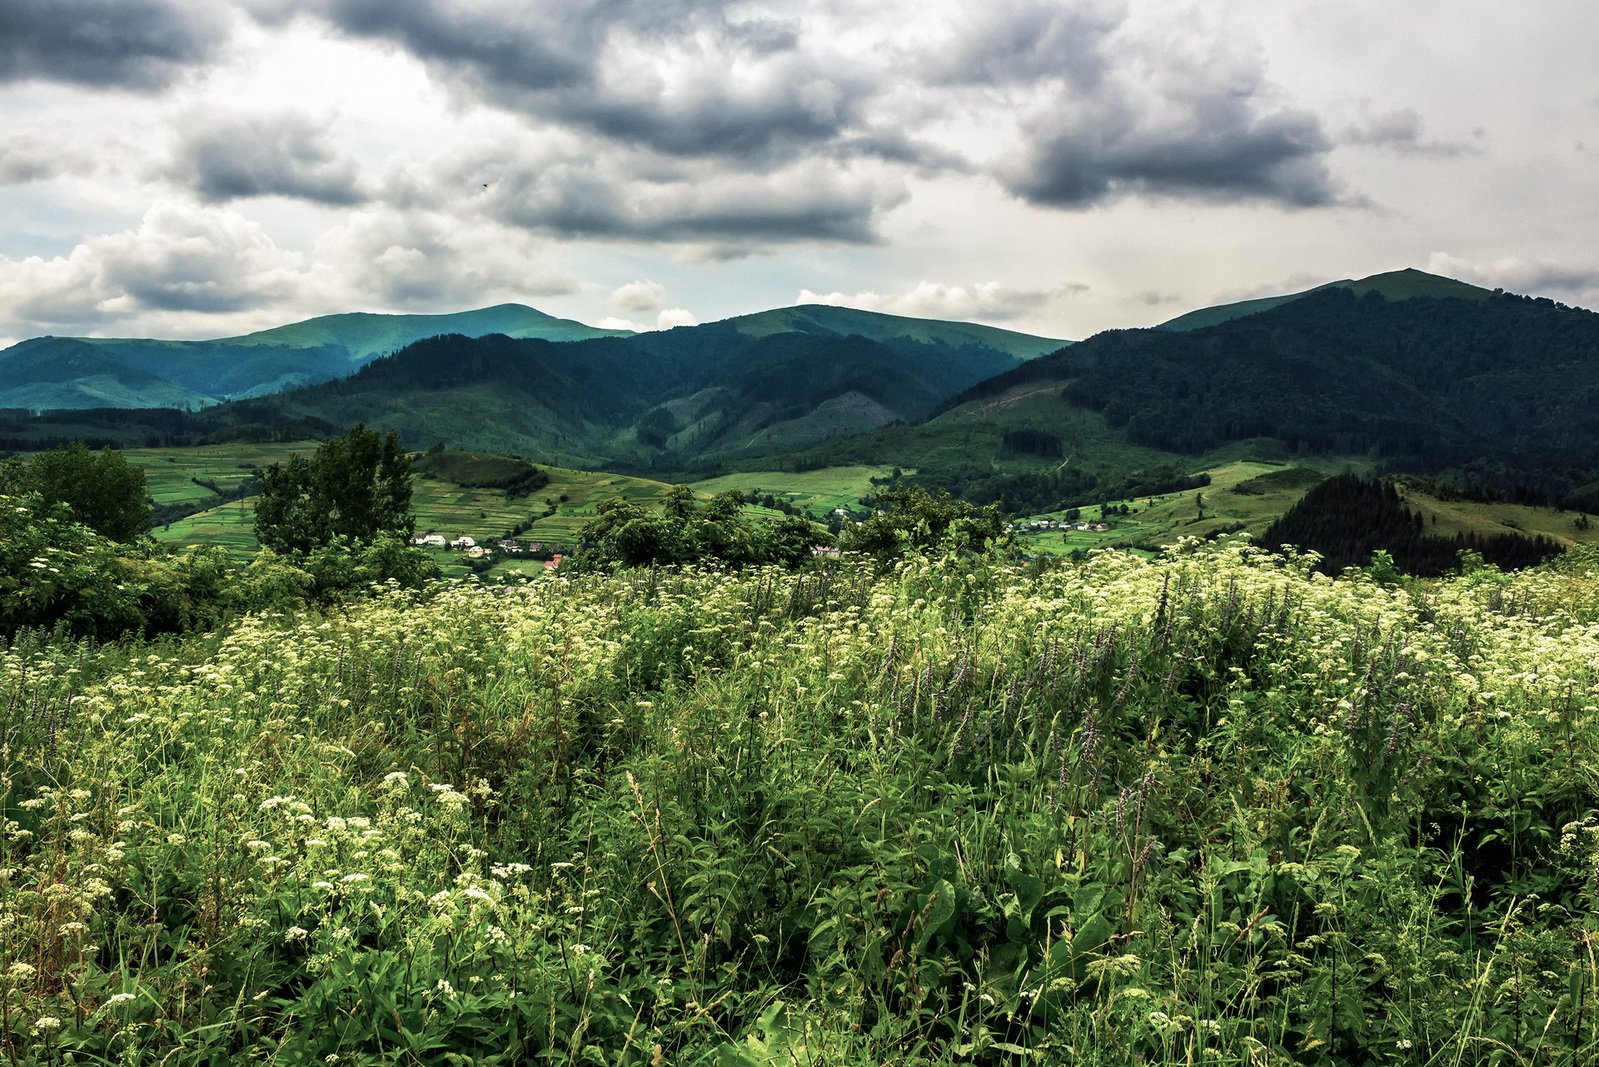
357,486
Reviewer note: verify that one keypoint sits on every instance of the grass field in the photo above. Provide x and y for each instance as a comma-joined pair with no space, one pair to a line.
1449,517
1248,495
1163,518
170,473
558,510
816,492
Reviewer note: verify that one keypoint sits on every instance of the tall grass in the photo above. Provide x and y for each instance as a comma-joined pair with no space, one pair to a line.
1208,809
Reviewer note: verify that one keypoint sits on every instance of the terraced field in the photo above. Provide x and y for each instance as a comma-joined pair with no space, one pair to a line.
557,511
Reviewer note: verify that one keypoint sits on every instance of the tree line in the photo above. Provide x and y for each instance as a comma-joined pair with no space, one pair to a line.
1348,519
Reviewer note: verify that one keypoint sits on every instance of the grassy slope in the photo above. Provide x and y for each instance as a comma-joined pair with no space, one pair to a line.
877,326
1164,519
441,506
817,492
368,335
1394,285
1449,517
169,473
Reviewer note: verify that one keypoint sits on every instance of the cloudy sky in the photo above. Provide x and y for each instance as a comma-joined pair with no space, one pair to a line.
188,168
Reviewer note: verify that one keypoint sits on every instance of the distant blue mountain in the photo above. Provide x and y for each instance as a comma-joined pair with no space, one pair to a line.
92,372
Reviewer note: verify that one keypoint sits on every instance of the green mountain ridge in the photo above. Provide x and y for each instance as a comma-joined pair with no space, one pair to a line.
1491,391
1405,284
150,373
676,400
1398,372
878,326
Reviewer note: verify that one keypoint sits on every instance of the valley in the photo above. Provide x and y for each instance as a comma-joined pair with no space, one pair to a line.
989,726
1402,373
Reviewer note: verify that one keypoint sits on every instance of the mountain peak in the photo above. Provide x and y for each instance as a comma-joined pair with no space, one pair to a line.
1409,283
1406,283
880,325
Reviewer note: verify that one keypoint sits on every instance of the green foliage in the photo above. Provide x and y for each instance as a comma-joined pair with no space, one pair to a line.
1208,809
58,573
681,530
103,490
355,487
1347,520
915,521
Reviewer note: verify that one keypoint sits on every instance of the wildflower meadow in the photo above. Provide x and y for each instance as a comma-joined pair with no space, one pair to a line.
1214,808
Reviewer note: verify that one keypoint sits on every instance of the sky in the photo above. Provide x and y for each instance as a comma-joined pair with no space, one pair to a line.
191,169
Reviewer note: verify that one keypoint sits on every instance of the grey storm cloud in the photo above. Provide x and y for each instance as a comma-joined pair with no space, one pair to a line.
1010,41
650,74
648,198
527,46
701,82
1173,126
140,44
279,155
1275,157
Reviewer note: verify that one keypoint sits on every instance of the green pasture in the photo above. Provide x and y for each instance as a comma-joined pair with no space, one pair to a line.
1161,519
1449,517
559,510
170,473
1204,809
816,491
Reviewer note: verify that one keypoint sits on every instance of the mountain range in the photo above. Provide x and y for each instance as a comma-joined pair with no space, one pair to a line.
44,373
1401,371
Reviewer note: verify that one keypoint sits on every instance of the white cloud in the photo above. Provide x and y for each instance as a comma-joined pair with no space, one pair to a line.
182,262
666,319
1576,279
397,260
638,297
931,300
671,317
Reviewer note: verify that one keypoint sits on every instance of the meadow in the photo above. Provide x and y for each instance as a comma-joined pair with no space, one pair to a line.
554,513
1211,808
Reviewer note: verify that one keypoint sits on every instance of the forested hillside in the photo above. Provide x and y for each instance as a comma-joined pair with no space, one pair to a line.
1493,392
676,400
1347,519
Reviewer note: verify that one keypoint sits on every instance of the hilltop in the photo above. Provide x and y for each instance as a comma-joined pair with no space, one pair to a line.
1476,388
670,401
1405,284
44,373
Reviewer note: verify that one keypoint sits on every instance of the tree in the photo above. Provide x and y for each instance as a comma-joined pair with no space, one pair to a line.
916,521
357,487
682,530
105,492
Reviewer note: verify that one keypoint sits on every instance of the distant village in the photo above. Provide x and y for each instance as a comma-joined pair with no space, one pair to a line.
1036,525
550,552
